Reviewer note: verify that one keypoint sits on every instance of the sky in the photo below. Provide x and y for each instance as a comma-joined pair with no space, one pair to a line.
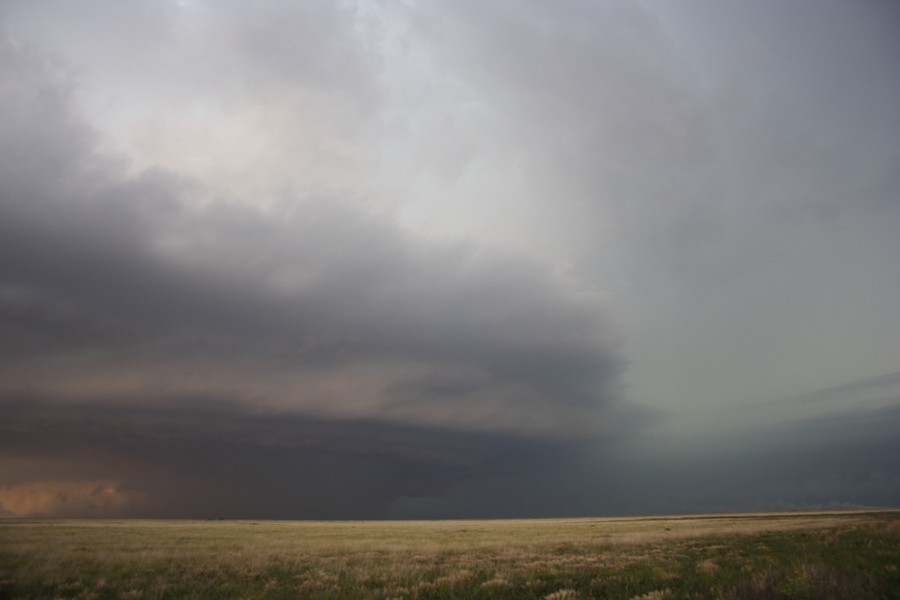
448,259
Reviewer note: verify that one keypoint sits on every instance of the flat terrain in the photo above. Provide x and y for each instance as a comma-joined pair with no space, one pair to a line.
853,554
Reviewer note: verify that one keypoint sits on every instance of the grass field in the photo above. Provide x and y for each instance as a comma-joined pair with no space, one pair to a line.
788,555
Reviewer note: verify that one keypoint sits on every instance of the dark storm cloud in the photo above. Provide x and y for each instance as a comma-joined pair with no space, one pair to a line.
376,350
846,460
212,460
356,259
94,260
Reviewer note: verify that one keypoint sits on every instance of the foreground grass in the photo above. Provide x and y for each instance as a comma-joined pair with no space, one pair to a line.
814,555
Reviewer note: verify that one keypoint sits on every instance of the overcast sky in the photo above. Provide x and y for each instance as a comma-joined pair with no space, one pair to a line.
469,258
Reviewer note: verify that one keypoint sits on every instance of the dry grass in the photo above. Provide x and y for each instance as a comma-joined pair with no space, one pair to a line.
814,555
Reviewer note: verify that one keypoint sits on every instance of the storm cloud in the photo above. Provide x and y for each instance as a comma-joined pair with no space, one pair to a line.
450,259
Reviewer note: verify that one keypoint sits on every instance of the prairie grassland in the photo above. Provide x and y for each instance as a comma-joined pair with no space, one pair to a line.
788,555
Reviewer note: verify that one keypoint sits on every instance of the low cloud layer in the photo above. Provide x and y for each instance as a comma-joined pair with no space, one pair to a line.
213,460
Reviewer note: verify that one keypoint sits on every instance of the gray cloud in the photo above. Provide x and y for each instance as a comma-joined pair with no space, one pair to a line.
211,459
373,350
469,258
718,177
98,262
690,148
844,462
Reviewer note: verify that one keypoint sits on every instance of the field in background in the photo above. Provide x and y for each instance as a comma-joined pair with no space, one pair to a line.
850,554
